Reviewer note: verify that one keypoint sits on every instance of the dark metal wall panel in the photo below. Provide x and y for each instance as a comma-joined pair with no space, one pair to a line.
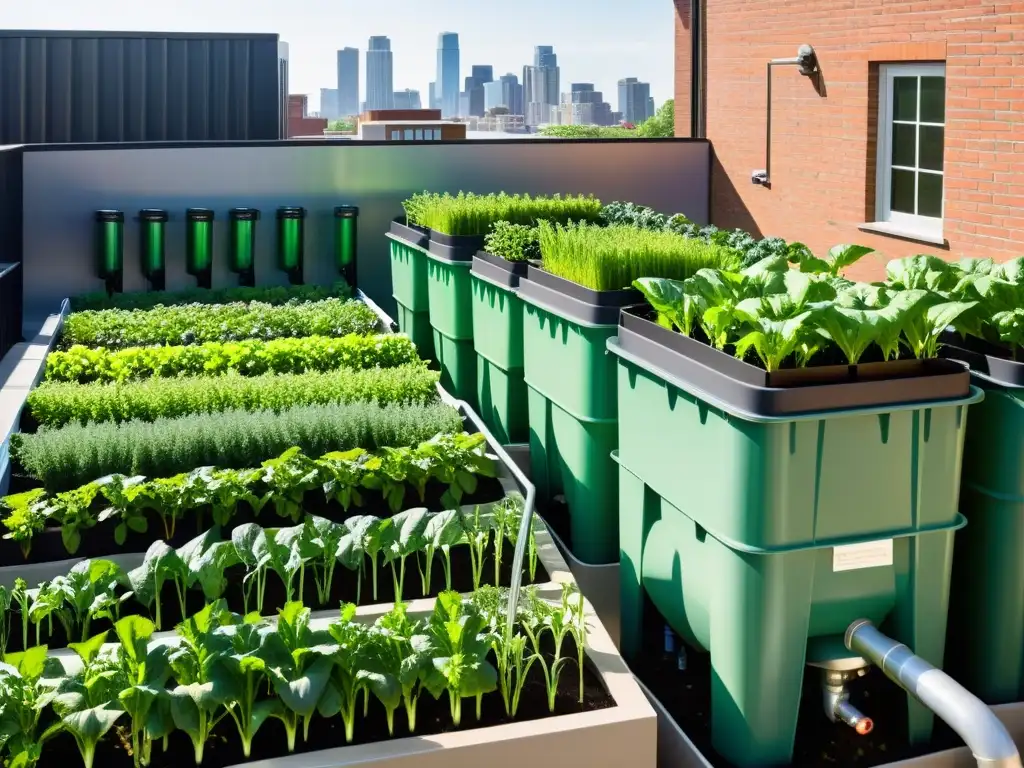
64,186
11,194
58,87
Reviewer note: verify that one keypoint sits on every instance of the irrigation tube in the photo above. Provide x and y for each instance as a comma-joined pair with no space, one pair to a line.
529,492
530,499
966,714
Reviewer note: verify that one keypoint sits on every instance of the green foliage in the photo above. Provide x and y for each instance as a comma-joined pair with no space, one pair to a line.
55,404
342,124
247,358
784,314
611,258
268,295
198,323
471,214
588,132
454,460
513,242
662,125
69,456
199,567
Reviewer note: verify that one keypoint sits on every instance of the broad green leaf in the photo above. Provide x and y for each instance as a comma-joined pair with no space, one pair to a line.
929,273
90,649
30,664
90,725
842,256
302,693
134,633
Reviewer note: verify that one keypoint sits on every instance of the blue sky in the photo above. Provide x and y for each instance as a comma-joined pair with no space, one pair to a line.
623,39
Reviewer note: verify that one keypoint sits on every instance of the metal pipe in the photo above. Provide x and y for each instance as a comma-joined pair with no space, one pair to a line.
807,60
972,720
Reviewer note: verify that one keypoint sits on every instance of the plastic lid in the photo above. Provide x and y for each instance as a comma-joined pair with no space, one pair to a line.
152,214
346,211
199,214
244,214
291,212
110,215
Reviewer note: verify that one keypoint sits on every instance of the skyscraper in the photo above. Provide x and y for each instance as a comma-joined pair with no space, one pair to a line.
504,92
407,99
540,85
329,103
481,75
634,100
448,73
380,93
348,82
588,106
434,101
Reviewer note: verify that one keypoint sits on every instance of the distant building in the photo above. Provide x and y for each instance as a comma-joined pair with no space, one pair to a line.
541,85
329,103
348,82
635,100
463,109
299,121
504,92
409,125
447,88
497,124
481,75
407,99
379,74
588,105
433,98
650,106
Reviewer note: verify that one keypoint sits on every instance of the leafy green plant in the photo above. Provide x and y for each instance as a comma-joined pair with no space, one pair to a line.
199,323
611,258
141,673
252,357
72,455
788,315
247,661
56,404
471,214
24,697
455,642
274,295
513,242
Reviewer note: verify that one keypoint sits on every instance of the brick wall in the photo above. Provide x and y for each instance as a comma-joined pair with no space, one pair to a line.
823,147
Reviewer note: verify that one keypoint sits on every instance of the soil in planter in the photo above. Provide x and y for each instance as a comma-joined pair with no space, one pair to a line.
98,541
686,694
432,717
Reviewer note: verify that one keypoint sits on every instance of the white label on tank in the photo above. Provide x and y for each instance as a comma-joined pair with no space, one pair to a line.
870,554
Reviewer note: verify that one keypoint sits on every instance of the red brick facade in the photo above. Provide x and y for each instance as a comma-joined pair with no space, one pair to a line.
823,146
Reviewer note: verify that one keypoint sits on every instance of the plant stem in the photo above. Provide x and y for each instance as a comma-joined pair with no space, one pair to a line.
410,711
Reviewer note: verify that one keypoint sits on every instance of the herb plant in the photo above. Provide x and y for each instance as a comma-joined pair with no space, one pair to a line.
198,323
513,242
56,404
471,214
66,457
611,258
274,295
252,357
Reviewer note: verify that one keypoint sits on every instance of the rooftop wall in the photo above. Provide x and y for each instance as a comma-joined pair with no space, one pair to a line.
63,186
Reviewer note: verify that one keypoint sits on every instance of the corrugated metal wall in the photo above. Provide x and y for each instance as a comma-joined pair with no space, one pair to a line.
82,87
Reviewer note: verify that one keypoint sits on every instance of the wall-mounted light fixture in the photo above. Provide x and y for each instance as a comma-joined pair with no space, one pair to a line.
807,61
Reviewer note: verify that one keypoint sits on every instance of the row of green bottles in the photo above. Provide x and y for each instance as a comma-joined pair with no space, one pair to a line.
199,244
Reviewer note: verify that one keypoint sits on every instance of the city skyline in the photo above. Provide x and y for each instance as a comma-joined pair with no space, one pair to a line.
625,40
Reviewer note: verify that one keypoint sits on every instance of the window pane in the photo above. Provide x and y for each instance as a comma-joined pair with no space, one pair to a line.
396,135
408,134
904,145
931,147
904,98
437,134
933,99
929,194
902,192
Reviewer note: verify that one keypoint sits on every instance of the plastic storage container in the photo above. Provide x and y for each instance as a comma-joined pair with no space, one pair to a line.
450,306
986,633
760,538
409,288
498,340
570,381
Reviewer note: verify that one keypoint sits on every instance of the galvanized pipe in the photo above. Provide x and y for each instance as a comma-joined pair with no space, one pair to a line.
966,714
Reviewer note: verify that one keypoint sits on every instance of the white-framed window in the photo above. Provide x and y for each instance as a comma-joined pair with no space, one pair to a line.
911,138
419,134
396,135
409,134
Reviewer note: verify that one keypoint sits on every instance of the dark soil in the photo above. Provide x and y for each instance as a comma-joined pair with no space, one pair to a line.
686,695
99,541
345,588
432,717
